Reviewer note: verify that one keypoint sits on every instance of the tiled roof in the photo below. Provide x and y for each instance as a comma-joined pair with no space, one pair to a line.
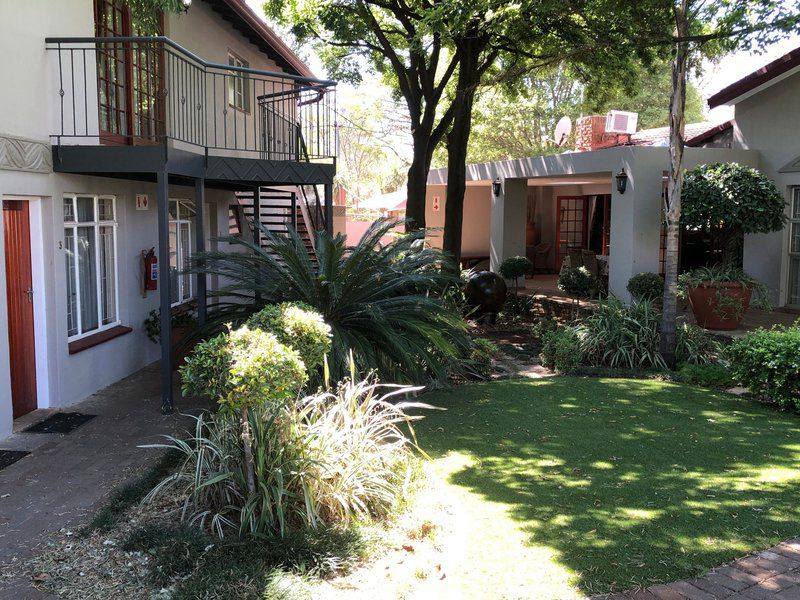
694,133
765,74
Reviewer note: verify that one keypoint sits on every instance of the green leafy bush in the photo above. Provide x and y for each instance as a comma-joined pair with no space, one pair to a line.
560,349
152,324
768,362
514,268
244,367
298,326
646,286
479,364
578,282
327,459
710,375
383,302
628,336
728,200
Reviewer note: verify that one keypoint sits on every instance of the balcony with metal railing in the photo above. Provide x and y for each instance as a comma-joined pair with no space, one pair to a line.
132,103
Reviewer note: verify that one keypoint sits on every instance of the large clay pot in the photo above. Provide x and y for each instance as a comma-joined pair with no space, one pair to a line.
487,292
713,314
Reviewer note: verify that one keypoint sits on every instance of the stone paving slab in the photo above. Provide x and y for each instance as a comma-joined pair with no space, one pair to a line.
67,477
773,573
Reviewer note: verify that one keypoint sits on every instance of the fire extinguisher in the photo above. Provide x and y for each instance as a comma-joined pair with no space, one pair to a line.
150,270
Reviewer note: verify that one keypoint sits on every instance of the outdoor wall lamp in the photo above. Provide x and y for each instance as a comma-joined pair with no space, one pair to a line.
622,181
186,5
496,187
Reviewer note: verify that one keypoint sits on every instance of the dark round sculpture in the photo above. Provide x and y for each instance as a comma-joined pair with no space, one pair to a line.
487,292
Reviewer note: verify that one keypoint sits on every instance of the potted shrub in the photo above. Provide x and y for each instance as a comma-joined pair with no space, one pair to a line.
578,283
184,324
727,201
646,287
515,267
720,295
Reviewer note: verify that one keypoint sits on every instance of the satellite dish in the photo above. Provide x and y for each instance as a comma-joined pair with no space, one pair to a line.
563,129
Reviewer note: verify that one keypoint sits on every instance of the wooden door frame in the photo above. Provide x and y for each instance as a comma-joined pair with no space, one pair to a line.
32,348
584,198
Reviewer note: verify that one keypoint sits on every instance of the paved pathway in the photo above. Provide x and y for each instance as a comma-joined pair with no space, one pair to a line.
67,477
773,573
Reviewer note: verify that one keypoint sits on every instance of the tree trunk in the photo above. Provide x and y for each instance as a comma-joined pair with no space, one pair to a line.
672,208
247,448
457,141
417,185
733,247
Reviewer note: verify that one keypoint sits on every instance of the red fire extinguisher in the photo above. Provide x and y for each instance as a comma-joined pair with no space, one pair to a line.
150,270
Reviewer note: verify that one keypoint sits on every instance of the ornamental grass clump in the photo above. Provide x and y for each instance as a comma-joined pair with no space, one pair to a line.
329,459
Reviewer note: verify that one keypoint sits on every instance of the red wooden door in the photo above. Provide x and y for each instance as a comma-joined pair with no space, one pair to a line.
570,225
19,292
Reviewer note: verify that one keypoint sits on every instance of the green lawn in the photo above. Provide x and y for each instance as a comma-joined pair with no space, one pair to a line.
569,484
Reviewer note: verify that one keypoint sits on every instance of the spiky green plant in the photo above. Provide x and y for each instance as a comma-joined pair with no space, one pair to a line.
381,301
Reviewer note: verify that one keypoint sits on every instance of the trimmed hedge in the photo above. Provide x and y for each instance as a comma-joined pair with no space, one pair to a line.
768,362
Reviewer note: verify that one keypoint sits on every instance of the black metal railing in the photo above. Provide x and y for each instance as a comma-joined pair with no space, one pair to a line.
150,90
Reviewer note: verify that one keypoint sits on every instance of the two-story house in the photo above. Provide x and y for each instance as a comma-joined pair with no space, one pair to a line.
121,133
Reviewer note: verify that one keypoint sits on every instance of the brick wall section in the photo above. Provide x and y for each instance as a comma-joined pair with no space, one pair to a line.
590,134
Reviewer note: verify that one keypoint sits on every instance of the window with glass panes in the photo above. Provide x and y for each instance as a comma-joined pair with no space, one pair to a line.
794,249
90,245
181,220
238,84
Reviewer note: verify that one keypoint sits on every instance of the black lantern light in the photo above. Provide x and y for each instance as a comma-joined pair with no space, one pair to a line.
622,181
496,187
186,5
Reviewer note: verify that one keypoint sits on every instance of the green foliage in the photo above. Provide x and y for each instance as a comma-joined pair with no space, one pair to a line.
480,359
731,195
382,302
620,336
518,307
329,459
646,286
725,274
299,327
576,281
695,346
768,362
710,375
515,267
560,349
152,324
244,368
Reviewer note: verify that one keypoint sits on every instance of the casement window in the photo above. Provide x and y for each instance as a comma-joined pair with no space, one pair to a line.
238,84
90,244
181,222
794,249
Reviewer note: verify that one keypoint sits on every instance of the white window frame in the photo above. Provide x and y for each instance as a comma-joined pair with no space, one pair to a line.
238,83
792,222
95,225
178,220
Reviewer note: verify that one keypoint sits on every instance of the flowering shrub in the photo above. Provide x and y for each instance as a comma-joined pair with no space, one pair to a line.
299,326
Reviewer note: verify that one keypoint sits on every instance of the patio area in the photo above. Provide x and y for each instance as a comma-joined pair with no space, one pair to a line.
68,476
545,286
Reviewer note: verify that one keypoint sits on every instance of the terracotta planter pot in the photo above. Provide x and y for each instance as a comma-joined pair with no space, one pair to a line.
705,303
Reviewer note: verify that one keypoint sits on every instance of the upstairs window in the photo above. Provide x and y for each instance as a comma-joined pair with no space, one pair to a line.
90,244
238,84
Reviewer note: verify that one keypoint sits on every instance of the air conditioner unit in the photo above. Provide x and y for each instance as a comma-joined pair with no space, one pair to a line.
619,121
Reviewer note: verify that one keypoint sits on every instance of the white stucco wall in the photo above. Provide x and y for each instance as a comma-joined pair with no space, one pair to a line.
475,223
768,122
29,109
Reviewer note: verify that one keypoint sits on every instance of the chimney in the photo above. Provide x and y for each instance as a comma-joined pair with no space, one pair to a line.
590,134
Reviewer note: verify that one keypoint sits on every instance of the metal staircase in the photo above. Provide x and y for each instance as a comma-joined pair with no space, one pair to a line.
280,209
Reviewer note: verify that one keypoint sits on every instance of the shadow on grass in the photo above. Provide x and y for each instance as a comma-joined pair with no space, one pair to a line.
629,482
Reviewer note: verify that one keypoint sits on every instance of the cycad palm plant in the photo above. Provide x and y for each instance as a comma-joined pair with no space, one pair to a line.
381,301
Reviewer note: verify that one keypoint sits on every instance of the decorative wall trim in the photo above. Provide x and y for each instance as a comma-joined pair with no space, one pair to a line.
21,154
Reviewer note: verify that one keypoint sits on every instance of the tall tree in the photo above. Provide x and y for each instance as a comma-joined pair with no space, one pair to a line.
705,27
